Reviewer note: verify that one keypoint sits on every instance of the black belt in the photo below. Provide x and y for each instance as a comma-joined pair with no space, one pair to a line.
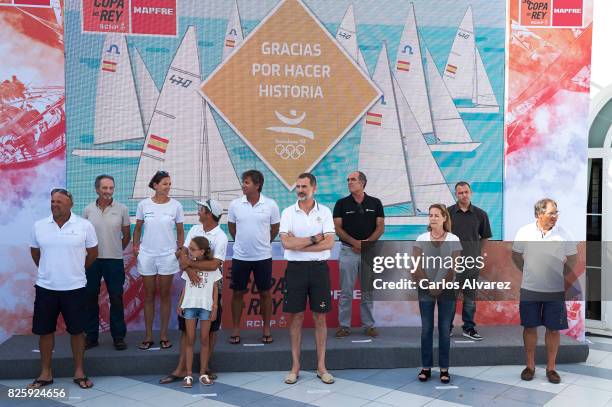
307,262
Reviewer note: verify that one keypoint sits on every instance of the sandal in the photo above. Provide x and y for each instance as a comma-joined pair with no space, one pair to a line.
211,375
82,382
234,339
187,382
165,344
169,379
38,383
267,339
444,376
326,378
205,380
424,375
145,345
291,378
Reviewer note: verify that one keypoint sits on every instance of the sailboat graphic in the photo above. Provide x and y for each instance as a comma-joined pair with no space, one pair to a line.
465,74
117,109
183,136
145,89
449,128
395,155
233,33
347,37
427,94
410,74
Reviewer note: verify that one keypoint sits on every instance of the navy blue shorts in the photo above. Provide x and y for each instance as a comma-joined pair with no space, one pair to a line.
49,304
535,312
241,272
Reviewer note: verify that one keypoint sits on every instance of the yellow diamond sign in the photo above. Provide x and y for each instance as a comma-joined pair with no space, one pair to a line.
290,91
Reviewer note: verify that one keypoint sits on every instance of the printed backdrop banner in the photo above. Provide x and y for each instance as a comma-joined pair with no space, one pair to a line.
547,119
411,96
32,144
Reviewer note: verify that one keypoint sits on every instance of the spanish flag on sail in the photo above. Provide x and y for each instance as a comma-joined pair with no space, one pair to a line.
109,66
158,143
230,43
451,69
403,65
374,119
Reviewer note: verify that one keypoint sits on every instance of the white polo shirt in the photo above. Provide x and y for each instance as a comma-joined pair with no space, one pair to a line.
159,238
108,224
216,239
253,227
295,220
544,257
62,252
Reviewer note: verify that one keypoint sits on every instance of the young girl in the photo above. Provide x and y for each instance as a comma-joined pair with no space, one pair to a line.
198,301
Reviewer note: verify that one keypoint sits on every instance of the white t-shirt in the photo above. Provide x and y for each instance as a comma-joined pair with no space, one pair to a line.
200,295
159,238
296,221
544,257
253,227
217,241
62,252
436,271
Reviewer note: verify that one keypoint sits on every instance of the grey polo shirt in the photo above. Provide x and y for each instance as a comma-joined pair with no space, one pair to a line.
108,225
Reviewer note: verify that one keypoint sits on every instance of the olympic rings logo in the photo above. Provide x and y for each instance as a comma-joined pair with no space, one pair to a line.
290,151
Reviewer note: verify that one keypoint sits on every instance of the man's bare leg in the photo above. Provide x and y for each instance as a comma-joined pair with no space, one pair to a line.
321,340
295,331
45,345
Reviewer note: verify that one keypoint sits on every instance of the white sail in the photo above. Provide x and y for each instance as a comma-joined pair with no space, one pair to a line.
145,89
427,183
347,33
223,183
410,75
460,68
174,139
347,37
381,155
117,116
448,125
484,101
233,33
362,64
57,10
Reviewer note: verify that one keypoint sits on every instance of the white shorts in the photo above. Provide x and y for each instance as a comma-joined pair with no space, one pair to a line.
149,265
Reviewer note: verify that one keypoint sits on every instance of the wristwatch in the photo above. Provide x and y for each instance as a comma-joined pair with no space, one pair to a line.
313,239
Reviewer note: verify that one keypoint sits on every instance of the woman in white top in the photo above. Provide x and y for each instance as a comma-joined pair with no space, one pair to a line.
199,301
160,215
439,248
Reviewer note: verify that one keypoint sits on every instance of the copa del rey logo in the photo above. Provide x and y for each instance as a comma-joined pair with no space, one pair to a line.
290,91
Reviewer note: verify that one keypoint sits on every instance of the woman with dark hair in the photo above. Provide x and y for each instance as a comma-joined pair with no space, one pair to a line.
160,215
438,248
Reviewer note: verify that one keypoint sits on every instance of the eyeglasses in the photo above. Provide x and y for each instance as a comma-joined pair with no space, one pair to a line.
553,214
162,173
